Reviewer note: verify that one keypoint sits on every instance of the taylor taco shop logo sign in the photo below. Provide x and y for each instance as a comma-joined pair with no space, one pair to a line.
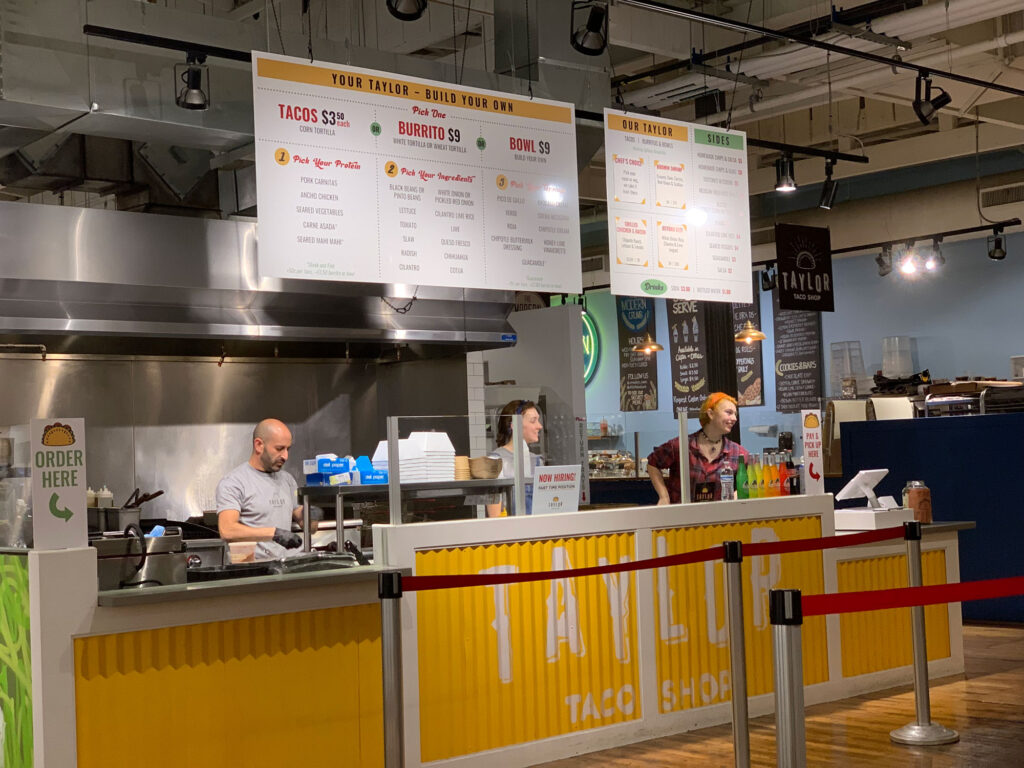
58,483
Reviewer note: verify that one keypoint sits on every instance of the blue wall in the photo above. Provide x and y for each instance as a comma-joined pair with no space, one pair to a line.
965,319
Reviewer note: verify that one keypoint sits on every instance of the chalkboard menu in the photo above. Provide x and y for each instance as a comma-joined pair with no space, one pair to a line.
638,372
798,359
688,344
749,363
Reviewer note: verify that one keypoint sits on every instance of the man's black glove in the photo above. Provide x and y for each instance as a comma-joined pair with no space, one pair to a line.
287,539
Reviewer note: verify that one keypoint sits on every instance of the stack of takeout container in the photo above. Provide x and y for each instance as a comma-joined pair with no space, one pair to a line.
438,455
462,468
423,457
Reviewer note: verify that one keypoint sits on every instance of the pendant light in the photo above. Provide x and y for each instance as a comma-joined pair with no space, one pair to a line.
749,333
648,345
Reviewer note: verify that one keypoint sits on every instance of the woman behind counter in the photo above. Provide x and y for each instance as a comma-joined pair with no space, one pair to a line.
529,413
710,450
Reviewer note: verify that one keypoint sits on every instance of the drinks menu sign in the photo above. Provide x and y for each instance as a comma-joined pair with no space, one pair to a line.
638,371
687,330
678,212
371,177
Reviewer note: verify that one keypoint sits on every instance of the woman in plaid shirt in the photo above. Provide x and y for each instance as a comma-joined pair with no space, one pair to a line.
709,450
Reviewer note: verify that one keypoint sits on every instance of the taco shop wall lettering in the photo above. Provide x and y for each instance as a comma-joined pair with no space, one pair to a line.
58,483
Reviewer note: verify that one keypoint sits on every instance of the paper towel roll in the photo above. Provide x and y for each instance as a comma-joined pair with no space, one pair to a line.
892,408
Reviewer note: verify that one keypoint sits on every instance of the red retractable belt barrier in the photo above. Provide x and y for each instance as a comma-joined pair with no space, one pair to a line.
827,542
421,583
903,597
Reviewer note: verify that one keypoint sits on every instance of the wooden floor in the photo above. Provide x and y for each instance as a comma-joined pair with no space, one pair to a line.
986,706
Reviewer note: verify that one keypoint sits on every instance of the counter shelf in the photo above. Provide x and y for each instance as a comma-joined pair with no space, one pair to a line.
424,490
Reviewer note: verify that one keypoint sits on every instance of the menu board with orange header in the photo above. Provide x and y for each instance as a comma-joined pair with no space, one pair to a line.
373,177
678,214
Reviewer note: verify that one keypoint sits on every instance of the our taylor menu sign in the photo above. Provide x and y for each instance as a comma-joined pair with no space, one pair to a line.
58,483
371,177
678,209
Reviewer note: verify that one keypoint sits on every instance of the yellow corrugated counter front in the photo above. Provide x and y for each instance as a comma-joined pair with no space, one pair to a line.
517,674
267,671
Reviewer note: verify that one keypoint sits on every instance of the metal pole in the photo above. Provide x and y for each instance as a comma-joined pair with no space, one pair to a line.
339,522
389,590
394,481
923,731
307,535
684,459
787,617
733,557
518,462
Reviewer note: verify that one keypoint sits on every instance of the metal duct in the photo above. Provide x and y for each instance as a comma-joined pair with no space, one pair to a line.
81,272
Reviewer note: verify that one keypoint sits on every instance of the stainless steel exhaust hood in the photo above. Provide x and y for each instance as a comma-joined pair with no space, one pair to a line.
73,272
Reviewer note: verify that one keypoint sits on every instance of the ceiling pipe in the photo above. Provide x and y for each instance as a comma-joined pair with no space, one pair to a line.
810,95
916,23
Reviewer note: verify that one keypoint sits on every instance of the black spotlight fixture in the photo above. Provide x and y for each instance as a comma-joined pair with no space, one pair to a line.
829,188
768,279
935,259
996,245
884,261
925,105
590,39
195,78
407,10
785,180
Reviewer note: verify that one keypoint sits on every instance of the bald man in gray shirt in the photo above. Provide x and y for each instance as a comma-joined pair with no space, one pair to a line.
256,501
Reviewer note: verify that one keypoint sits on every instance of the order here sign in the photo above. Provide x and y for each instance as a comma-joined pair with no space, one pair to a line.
556,489
58,483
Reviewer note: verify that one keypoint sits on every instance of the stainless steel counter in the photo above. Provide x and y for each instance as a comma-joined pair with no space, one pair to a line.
240,586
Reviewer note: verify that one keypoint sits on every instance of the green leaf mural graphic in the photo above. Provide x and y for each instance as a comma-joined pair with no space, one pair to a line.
15,664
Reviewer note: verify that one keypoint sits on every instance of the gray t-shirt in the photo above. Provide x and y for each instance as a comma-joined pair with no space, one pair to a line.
263,499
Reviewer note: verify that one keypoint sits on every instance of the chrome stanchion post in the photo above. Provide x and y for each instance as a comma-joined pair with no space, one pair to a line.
790,739
923,732
389,590
733,557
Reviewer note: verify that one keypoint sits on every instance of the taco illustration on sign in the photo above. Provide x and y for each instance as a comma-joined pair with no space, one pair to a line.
811,421
58,435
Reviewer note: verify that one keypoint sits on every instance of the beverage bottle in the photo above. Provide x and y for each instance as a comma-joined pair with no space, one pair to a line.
798,476
794,474
727,480
756,477
784,473
742,481
771,472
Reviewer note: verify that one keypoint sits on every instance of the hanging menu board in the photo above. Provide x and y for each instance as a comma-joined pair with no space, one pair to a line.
678,211
638,372
687,330
749,363
371,177
798,359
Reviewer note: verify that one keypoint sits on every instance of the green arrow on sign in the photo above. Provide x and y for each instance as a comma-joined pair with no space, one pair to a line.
64,514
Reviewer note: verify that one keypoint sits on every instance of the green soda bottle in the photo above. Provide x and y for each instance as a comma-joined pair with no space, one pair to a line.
742,487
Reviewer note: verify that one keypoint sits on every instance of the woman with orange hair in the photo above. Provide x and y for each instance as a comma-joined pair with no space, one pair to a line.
710,450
